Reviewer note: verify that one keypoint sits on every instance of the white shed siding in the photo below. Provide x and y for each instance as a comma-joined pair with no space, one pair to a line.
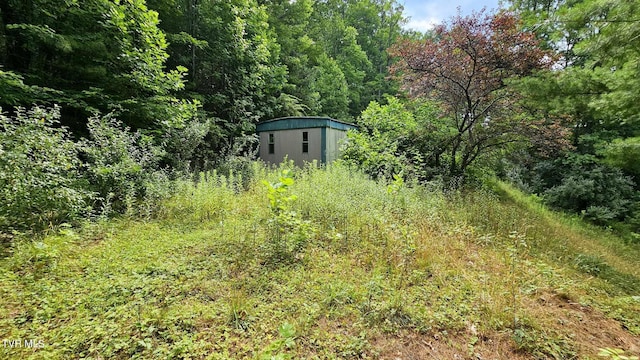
289,143
333,143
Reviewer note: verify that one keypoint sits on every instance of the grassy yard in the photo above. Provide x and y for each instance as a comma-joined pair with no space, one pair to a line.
348,268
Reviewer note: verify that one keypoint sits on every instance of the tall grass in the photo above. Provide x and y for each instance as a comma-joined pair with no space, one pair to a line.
193,280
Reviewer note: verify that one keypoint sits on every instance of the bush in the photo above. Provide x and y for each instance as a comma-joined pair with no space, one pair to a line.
584,185
119,164
238,161
599,193
374,156
382,147
288,232
39,172
624,154
181,144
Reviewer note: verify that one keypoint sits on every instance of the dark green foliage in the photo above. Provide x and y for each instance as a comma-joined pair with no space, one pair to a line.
335,53
579,183
251,60
14,92
594,88
378,25
234,73
40,183
380,146
298,52
624,154
331,85
87,56
119,164
231,54
181,145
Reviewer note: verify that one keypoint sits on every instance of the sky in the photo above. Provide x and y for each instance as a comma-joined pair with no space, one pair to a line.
425,14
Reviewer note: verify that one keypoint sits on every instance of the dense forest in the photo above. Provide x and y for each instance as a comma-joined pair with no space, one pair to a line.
215,66
544,94
132,90
486,207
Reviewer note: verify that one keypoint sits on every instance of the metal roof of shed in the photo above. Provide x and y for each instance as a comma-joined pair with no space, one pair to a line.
303,122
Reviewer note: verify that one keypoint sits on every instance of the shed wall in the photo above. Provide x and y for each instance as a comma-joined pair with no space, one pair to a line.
333,144
289,143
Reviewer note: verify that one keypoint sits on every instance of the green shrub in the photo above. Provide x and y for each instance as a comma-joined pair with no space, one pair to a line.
288,232
181,144
119,163
624,154
582,185
39,172
383,145
238,160
376,157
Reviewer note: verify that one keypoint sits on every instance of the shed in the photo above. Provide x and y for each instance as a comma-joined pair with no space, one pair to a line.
301,139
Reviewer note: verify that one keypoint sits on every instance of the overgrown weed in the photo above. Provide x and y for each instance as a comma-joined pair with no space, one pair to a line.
384,259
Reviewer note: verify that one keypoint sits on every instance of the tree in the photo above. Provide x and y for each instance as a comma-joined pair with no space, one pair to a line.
466,65
330,83
356,34
378,24
234,72
595,87
598,44
289,20
545,19
383,145
611,54
238,71
87,56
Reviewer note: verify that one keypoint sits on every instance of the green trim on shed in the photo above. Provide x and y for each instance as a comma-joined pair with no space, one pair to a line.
323,145
290,123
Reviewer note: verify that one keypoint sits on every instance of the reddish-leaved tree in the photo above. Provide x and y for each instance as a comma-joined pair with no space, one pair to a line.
466,65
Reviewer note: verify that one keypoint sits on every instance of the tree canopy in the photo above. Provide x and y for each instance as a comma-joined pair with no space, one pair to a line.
594,87
544,93
90,56
466,65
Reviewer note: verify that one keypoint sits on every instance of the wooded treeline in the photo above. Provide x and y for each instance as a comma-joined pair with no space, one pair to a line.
595,87
161,65
104,101
545,94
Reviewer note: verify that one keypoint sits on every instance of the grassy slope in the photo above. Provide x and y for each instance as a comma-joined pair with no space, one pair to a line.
404,274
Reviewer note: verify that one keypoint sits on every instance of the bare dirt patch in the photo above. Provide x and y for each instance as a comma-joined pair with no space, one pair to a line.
588,328
413,346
